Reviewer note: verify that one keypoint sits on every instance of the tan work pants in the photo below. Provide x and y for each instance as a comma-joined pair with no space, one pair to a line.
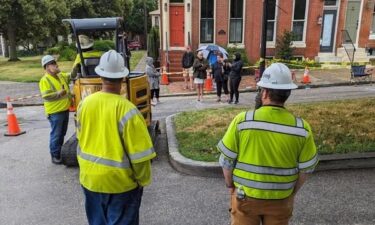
251,211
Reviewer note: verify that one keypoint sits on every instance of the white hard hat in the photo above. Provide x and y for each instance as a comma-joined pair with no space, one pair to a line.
112,65
277,76
47,59
85,41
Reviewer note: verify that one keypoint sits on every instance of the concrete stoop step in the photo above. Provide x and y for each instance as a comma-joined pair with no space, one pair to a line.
213,169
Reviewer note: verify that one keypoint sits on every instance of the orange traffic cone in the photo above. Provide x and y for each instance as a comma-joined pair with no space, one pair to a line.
13,128
164,77
208,84
306,76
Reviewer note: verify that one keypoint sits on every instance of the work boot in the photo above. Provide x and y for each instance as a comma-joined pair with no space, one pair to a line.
56,160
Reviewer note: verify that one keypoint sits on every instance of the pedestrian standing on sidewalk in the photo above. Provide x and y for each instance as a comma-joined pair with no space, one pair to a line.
235,77
267,154
226,83
218,72
200,74
187,65
153,80
54,88
114,149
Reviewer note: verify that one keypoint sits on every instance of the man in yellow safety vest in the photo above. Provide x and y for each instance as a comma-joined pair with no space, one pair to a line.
87,45
54,88
114,149
267,154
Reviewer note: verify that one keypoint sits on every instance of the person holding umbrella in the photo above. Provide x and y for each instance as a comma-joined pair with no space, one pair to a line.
200,66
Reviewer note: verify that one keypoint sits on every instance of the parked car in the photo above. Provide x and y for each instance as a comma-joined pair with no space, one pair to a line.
134,45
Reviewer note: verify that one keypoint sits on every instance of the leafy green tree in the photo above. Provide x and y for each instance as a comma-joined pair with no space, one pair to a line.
134,21
284,42
29,21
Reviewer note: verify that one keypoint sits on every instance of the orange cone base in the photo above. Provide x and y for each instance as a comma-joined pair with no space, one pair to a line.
164,80
208,85
16,134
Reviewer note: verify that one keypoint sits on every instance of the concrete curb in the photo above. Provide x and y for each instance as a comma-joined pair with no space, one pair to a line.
344,83
213,169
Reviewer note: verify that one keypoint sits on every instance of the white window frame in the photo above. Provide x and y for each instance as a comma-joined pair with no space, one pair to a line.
272,44
214,24
239,45
301,44
372,32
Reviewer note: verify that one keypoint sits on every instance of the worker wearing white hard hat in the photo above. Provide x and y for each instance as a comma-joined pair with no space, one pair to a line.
115,148
54,88
267,154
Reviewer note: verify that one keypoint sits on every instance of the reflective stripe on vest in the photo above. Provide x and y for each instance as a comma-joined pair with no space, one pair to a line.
107,162
126,118
263,185
228,153
249,123
278,128
266,170
142,154
305,165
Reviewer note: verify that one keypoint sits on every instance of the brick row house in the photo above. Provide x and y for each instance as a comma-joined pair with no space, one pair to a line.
317,24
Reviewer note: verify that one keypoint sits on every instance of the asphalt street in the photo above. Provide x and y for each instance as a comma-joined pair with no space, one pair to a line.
34,191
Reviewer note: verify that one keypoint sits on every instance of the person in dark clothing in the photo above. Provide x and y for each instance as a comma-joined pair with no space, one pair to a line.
226,67
187,65
200,74
218,72
235,77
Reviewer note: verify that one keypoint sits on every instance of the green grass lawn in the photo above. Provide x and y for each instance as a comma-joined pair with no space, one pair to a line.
30,70
338,127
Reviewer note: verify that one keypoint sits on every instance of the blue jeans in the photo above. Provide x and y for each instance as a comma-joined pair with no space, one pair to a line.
113,209
59,125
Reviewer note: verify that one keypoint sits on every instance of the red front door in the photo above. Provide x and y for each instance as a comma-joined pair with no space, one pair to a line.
176,21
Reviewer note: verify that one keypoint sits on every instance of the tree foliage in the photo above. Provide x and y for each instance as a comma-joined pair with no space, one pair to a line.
134,22
33,23
284,42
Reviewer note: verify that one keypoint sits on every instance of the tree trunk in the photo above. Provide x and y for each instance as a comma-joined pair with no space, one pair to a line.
6,48
11,33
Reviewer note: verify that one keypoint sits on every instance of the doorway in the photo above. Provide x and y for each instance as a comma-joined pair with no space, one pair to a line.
352,19
176,20
328,30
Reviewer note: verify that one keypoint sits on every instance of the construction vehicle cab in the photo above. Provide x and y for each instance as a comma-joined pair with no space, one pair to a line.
135,86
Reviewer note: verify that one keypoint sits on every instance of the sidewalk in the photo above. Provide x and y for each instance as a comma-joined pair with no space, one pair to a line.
319,78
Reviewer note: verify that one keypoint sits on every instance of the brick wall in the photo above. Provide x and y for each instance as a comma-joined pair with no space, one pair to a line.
253,25
366,24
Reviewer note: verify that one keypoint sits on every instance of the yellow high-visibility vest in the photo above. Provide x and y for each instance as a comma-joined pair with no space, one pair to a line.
269,147
113,139
49,87
89,54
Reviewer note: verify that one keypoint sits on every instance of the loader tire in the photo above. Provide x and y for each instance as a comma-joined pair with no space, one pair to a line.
69,152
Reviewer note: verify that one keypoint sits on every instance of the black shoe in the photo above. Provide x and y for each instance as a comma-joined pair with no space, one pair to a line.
56,160
236,102
230,102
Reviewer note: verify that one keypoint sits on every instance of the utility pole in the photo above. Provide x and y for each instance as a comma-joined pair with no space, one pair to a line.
263,46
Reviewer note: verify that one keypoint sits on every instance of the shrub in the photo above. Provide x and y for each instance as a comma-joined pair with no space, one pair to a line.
67,54
153,43
104,45
242,51
53,51
284,49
